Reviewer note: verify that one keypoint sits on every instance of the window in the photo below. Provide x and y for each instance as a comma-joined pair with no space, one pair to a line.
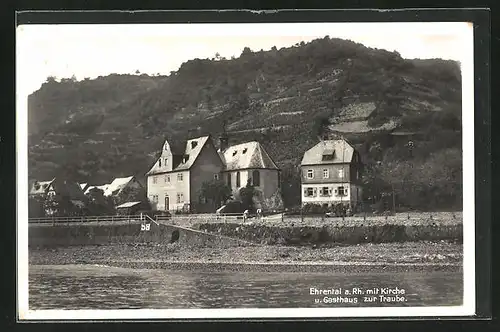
235,152
325,191
165,162
180,198
341,173
159,162
185,158
238,180
309,192
216,176
155,180
155,198
179,177
193,144
244,150
341,191
310,174
256,178
167,178
328,154
326,174
327,157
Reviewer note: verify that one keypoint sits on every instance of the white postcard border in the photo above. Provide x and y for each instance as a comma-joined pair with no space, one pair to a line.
467,309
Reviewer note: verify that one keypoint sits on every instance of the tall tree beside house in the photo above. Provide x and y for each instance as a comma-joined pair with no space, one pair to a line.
291,185
216,192
58,205
98,204
247,194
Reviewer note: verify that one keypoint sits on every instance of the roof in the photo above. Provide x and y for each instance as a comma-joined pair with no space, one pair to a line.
68,188
83,185
40,187
127,205
102,187
117,185
190,153
342,153
247,155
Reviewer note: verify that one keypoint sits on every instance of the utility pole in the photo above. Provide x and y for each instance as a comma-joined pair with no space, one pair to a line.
410,150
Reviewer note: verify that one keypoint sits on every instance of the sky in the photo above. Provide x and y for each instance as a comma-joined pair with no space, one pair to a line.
98,50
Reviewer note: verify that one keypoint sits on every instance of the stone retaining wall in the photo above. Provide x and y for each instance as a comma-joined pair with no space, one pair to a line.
96,234
306,235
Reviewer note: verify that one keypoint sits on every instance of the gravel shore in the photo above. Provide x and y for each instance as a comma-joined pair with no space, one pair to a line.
402,256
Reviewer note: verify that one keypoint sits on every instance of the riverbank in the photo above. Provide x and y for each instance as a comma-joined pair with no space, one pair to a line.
409,256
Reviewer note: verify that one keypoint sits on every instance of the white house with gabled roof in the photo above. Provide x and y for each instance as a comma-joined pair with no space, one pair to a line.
250,163
331,173
174,181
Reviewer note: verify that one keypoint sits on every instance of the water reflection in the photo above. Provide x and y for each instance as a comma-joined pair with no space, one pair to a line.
94,287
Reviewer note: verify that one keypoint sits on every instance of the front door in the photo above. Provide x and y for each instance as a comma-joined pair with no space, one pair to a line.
166,203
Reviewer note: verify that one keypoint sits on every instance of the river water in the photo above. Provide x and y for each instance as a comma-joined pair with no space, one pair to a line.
100,287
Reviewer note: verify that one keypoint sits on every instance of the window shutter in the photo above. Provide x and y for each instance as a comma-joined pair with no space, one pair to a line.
315,192
330,191
305,192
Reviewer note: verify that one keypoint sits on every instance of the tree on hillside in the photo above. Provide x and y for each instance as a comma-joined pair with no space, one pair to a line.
246,51
216,192
320,126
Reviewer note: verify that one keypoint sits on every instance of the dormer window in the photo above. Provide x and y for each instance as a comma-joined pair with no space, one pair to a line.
194,144
235,152
185,159
244,150
159,162
328,155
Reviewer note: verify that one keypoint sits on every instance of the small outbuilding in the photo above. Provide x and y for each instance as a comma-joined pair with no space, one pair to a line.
130,208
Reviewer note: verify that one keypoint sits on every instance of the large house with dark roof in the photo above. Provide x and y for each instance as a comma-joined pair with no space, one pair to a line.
249,163
331,173
174,182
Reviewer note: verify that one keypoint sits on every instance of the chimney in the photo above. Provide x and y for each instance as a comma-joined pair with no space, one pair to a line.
223,141
223,138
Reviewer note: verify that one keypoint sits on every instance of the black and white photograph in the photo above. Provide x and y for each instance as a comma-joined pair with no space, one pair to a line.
245,170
